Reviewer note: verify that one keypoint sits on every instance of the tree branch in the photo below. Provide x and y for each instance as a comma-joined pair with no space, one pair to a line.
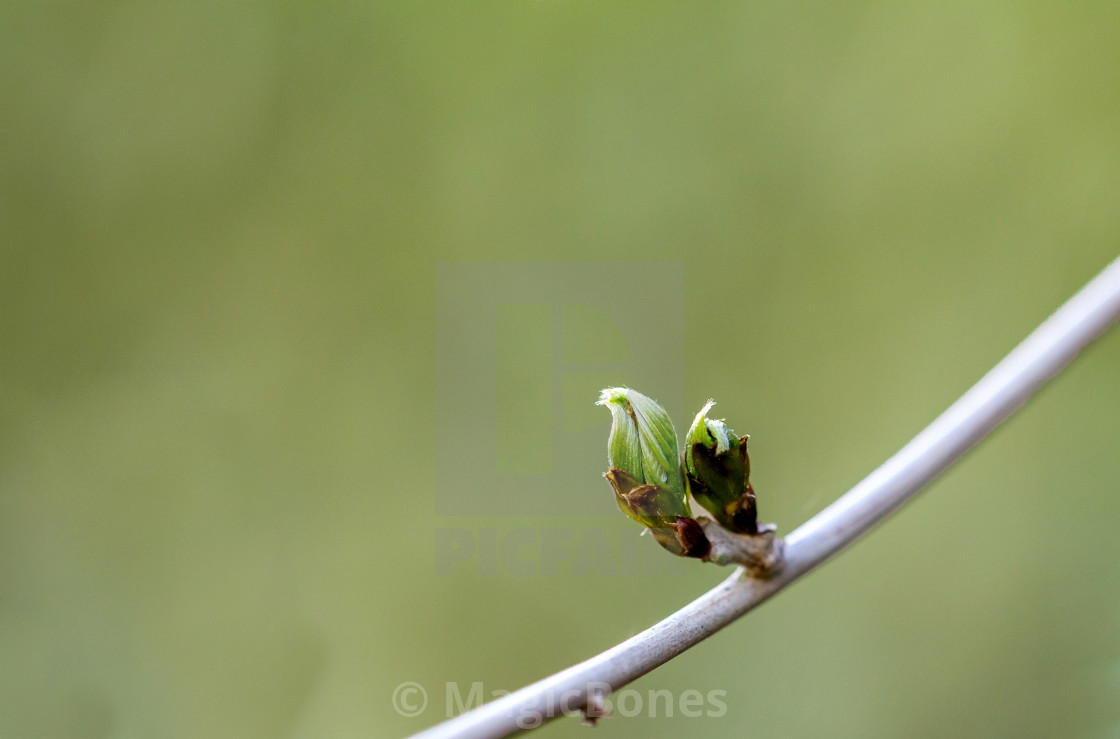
997,395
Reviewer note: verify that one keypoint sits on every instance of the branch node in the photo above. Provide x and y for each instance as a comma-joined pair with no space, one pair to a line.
760,554
595,708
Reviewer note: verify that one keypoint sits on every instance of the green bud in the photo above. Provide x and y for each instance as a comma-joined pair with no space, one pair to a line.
655,507
718,472
646,474
643,442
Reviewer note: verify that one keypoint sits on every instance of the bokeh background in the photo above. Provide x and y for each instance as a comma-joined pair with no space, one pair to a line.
220,225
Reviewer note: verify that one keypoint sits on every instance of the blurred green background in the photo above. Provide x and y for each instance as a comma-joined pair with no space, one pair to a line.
219,229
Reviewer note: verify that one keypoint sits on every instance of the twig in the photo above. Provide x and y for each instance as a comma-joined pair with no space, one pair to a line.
996,396
760,554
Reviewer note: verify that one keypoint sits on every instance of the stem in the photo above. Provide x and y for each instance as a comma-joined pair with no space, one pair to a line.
997,395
